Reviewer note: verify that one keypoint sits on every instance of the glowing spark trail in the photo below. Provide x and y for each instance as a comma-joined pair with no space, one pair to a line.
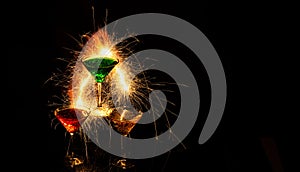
123,80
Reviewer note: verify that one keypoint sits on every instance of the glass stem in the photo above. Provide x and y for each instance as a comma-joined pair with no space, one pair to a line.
69,145
99,85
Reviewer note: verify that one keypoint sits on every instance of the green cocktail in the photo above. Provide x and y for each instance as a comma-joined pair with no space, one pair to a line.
100,67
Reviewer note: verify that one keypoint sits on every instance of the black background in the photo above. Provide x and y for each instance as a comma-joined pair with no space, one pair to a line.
252,134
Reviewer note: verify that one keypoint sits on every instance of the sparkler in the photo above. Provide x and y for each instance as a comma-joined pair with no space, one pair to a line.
102,63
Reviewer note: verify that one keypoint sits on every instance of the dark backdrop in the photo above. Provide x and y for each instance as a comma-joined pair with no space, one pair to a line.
250,137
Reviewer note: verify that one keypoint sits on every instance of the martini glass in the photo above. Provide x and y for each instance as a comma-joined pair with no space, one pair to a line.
99,67
123,120
71,118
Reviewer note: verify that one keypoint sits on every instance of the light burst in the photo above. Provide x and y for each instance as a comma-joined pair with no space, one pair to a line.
79,85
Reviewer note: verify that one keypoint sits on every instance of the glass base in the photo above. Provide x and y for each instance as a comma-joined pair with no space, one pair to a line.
78,164
123,163
72,160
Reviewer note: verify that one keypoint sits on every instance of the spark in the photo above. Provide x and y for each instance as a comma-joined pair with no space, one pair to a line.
123,80
79,101
81,91
100,44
